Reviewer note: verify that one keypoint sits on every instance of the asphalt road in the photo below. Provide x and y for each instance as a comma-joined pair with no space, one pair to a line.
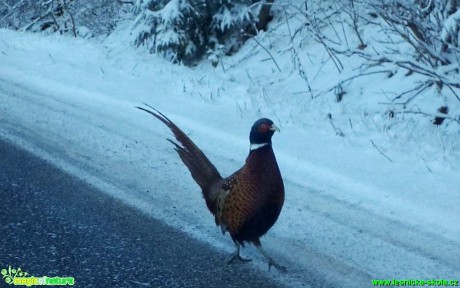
52,224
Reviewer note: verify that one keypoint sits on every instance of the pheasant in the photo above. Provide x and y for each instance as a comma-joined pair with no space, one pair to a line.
247,203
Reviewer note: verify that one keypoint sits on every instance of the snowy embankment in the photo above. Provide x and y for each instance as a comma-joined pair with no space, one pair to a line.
350,214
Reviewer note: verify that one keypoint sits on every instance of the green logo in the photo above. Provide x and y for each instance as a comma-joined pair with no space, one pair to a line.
18,277
10,274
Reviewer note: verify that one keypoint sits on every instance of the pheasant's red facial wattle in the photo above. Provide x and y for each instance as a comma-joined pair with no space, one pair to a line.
264,128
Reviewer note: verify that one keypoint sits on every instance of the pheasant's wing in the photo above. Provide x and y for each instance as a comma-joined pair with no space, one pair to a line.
239,204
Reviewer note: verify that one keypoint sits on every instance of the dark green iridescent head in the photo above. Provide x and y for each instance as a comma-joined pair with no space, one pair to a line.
262,131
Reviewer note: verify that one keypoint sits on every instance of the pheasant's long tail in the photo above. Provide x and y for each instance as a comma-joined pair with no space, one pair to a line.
203,171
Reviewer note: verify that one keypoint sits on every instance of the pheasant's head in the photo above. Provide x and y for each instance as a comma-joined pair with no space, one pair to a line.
262,132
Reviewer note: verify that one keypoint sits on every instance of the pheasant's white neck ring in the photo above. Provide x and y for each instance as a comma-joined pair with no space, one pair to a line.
257,146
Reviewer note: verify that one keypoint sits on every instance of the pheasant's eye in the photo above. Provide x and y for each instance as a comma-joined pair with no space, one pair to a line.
263,128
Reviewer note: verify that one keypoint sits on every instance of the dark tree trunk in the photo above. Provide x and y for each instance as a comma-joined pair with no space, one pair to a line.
264,15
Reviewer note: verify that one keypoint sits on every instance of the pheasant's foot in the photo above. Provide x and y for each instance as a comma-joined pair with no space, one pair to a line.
236,255
270,261
280,268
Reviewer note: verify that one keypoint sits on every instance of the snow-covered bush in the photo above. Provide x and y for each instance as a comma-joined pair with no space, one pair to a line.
170,27
185,30
432,29
415,37
73,17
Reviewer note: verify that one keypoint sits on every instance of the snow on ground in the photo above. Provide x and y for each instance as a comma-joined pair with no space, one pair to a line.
350,214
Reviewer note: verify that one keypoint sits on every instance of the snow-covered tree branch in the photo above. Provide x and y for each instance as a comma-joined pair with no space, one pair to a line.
185,30
70,17
420,37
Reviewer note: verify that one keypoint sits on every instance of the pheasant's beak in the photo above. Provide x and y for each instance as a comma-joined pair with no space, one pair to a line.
275,128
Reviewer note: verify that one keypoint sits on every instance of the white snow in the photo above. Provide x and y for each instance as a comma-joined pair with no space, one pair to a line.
350,214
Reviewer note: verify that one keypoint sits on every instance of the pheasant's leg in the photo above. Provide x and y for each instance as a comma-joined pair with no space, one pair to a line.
236,255
270,261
